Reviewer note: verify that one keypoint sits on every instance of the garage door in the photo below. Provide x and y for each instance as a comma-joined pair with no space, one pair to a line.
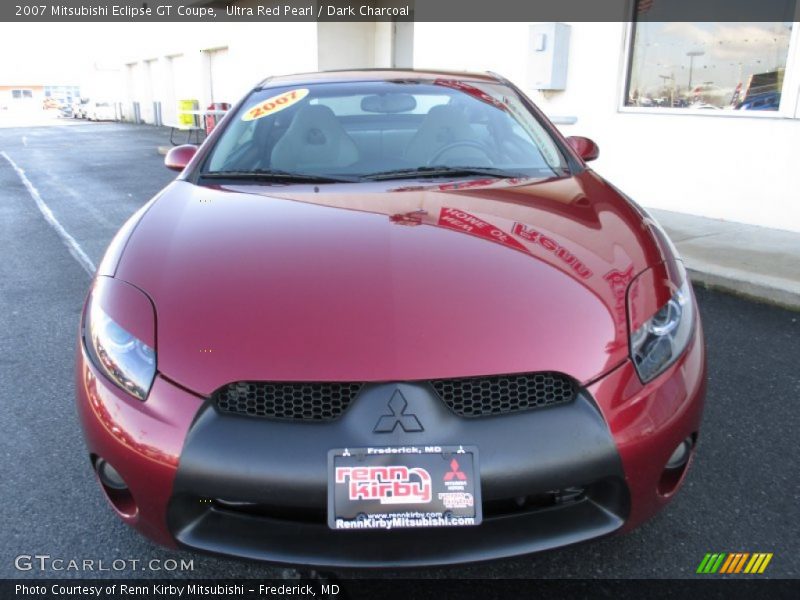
222,87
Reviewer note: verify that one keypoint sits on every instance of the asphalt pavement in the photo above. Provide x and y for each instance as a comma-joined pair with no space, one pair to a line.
742,495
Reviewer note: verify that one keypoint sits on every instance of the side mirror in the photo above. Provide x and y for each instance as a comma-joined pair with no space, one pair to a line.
178,157
585,147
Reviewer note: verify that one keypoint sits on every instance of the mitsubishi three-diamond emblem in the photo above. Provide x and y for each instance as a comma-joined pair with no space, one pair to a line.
398,416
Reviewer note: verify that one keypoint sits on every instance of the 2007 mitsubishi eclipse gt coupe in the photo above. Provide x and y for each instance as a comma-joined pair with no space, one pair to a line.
388,318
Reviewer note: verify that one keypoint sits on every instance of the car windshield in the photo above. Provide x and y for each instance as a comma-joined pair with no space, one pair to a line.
384,130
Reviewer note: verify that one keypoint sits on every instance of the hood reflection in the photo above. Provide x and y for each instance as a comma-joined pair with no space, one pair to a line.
559,222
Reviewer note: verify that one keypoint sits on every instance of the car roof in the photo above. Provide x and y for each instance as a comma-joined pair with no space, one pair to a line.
378,75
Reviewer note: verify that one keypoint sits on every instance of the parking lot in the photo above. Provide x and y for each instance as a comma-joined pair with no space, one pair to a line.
742,495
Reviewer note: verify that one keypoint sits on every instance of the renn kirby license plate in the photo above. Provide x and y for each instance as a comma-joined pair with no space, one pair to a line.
403,487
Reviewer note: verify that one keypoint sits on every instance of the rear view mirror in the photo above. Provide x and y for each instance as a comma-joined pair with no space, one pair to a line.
179,156
585,147
388,103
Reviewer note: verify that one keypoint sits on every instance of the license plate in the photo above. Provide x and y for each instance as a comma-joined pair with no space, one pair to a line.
403,487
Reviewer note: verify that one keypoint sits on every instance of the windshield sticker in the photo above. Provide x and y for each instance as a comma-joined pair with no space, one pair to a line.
275,104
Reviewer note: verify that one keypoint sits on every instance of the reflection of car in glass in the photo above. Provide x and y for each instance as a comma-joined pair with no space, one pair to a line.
100,111
765,101
704,105
708,94
389,300
763,91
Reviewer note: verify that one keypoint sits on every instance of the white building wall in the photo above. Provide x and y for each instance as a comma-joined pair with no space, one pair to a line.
346,45
356,45
181,61
739,168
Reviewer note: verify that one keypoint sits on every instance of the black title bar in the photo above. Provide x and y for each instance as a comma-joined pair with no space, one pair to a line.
324,588
397,10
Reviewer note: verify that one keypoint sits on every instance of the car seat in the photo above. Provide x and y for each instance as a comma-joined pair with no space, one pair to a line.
315,139
444,124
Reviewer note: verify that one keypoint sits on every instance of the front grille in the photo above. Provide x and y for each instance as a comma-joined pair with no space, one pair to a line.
505,507
305,401
467,397
502,507
483,396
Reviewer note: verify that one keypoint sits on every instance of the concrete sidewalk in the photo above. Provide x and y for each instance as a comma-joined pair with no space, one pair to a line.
755,262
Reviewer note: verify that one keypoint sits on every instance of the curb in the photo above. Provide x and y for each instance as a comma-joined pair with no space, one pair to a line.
771,290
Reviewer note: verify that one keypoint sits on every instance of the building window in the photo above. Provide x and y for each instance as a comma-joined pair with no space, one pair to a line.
715,66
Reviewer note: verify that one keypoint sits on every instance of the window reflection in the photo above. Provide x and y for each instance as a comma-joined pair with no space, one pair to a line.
714,66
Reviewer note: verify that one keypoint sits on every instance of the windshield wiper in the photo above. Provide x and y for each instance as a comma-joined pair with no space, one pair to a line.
275,175
441,171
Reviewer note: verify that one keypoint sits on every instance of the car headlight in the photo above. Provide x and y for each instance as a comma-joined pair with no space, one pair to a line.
662,338
125,359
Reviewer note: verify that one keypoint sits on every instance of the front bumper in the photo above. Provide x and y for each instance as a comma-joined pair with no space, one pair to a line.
280,468
258,488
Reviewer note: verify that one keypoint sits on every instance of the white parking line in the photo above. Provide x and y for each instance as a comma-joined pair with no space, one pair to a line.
71,243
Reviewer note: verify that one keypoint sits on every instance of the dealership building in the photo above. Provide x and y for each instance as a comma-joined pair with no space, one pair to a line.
698,118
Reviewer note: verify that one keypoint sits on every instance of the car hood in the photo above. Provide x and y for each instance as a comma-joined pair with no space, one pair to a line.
368,283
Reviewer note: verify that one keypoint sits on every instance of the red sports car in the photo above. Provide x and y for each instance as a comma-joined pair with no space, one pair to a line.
389,318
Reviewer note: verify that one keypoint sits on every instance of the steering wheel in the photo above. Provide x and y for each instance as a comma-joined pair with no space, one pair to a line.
457,144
